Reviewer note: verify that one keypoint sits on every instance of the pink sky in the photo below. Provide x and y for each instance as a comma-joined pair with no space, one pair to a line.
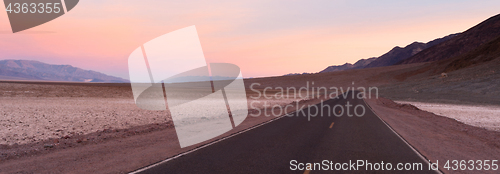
263,38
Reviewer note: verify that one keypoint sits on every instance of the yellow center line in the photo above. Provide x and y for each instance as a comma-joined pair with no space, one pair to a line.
307,171
331,125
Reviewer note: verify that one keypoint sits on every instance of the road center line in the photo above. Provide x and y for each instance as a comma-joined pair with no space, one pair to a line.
331,125
211,143
307,171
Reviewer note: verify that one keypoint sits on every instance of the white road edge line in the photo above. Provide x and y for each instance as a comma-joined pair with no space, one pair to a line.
406,142
208,144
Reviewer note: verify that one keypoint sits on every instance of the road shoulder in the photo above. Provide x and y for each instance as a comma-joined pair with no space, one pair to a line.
437,137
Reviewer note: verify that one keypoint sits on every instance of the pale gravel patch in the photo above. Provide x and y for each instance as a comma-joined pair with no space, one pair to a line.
480,116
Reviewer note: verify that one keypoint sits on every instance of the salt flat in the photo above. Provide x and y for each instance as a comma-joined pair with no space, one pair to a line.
33,119
480,116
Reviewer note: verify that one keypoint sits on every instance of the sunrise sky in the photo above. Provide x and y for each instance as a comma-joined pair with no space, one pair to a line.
264,38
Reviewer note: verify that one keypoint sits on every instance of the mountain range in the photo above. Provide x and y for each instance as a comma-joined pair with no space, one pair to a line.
452,46
469,40
358,65
35,70
392,57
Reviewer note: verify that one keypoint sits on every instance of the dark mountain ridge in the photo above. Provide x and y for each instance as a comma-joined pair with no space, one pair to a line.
485,53
469,40
398,54
395,55
358,65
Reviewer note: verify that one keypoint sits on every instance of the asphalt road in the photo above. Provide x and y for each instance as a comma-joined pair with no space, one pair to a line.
271,148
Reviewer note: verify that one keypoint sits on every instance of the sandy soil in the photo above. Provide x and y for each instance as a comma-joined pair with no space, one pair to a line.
437,137
480,116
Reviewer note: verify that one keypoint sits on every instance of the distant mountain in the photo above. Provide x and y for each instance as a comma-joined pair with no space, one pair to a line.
392,57
34,70
293,74
333,68
358,65
469,40
361,63
474,65
398,54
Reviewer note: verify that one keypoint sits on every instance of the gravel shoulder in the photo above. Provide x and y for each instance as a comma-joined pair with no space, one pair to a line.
437,137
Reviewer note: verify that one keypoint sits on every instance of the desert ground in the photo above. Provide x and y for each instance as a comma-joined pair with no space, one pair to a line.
96,128
35,112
